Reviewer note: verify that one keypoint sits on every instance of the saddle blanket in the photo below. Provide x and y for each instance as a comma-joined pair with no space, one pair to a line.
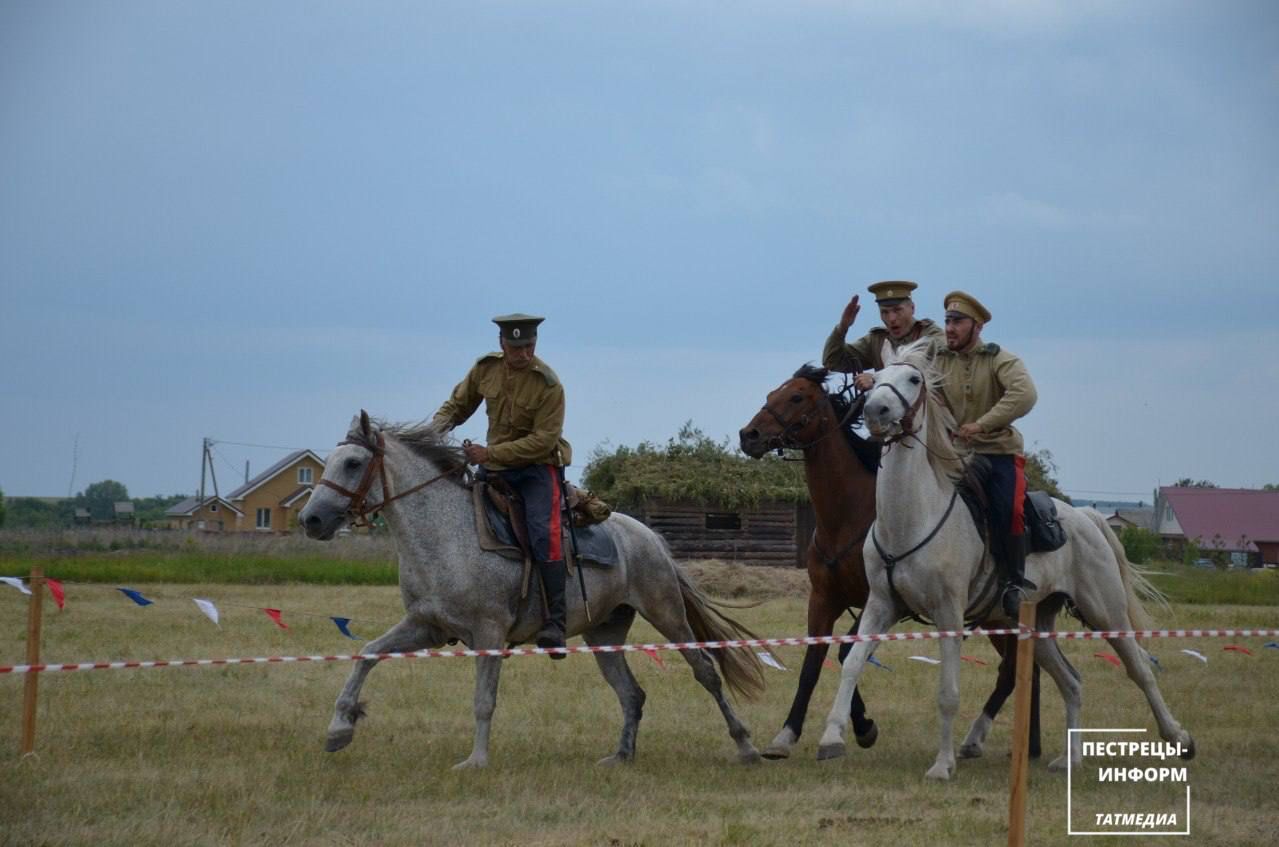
595,544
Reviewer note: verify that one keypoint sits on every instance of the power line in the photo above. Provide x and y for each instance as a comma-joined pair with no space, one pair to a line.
264,446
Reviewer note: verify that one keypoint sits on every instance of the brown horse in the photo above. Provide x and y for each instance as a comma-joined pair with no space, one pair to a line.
840,468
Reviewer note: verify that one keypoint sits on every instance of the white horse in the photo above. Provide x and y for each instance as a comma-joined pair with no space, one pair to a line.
452,590
948,575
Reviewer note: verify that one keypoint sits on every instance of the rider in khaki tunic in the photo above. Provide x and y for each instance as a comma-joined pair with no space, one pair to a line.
987,389
897,310
525,446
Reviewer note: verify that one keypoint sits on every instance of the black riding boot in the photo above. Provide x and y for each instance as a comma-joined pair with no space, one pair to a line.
553,576
1015,584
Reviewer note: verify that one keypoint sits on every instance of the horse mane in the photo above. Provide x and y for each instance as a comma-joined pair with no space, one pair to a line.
426,442
842,403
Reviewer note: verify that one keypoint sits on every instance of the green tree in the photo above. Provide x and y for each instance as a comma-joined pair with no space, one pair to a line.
1140,545
100,499
1,507
1270,486
1187,482
1041,473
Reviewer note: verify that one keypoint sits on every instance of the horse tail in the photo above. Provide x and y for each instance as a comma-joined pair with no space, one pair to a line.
1136,584
743,672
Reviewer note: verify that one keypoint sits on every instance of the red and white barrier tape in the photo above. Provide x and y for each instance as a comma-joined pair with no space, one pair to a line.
645,648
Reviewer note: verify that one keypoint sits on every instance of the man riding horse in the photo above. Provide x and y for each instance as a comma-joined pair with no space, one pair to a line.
897,311
987,388
525,404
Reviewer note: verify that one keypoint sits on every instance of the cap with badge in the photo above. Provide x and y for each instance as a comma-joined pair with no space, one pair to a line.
518,330
892,291
962,305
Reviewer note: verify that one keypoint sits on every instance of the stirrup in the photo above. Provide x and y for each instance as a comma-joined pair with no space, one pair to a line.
551,637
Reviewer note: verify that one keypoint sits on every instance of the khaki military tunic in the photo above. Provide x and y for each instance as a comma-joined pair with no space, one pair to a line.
525,410
867,352
990,387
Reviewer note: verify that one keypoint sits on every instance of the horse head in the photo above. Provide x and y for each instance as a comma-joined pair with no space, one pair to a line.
899,393
346,490
794,415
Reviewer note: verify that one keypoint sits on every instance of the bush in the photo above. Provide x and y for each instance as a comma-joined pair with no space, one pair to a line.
1140,545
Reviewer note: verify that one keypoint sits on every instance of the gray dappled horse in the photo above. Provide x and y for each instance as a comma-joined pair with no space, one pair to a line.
452,590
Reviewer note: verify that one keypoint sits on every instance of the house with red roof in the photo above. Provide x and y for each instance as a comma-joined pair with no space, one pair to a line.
1243,522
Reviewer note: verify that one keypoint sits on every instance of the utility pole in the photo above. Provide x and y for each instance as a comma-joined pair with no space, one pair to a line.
204,461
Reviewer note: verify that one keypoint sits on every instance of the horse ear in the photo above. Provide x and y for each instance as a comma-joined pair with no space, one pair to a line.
364,423
891,356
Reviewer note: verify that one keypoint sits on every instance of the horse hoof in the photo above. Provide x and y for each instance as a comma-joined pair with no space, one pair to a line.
337,741
1188,748
1059,764
830,751
867,739
776,752
750,757
940,772
970,751
614,760
470,764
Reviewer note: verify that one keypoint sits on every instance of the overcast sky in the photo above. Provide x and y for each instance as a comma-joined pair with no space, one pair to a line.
249,220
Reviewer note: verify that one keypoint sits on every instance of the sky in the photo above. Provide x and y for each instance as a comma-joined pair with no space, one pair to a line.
247,221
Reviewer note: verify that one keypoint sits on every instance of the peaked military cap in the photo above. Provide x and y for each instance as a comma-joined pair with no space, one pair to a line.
962,305
518,330
893,291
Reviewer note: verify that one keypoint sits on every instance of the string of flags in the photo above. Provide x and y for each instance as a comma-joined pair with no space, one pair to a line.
206,606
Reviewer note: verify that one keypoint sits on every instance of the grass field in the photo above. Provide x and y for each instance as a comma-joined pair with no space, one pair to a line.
233,755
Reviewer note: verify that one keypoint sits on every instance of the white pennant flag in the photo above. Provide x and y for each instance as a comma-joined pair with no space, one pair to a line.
768,659
208,608
16,583
1200,656
926,660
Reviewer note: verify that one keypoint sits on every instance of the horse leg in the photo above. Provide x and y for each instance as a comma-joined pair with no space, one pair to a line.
1140,673
876,618
1048,655
670,620
947,695
864,729
618,675
487,671
974,742
405,637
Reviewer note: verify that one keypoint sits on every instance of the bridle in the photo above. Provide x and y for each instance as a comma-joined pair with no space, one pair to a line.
786,438
375,468
907,420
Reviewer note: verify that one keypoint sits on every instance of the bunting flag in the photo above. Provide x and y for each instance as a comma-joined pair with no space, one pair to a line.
274,614
16,583
973,659
1200,656
206,606
1273,645
1114,660
1154,661
926,660
135,596
769,659
1235,648
877,663
652,654
343,625
59,596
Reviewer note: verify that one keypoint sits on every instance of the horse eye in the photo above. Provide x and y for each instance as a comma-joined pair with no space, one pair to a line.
796,398
352,464
914,380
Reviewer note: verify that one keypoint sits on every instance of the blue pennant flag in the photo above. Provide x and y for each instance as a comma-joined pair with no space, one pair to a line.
1273,645
135,596
343,624
877,663
1154,661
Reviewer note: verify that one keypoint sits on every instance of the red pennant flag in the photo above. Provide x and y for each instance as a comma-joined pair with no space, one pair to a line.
1235,648
59,596
652,654
827,663
1114,660
274,614
973,659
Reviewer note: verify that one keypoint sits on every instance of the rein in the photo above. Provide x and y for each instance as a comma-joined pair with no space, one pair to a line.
788,430
376,467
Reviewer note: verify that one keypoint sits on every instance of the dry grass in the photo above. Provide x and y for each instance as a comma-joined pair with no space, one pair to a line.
233,755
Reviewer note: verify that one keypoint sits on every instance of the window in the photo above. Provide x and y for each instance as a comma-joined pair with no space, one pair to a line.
304,476
264,519
723,520
213,507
